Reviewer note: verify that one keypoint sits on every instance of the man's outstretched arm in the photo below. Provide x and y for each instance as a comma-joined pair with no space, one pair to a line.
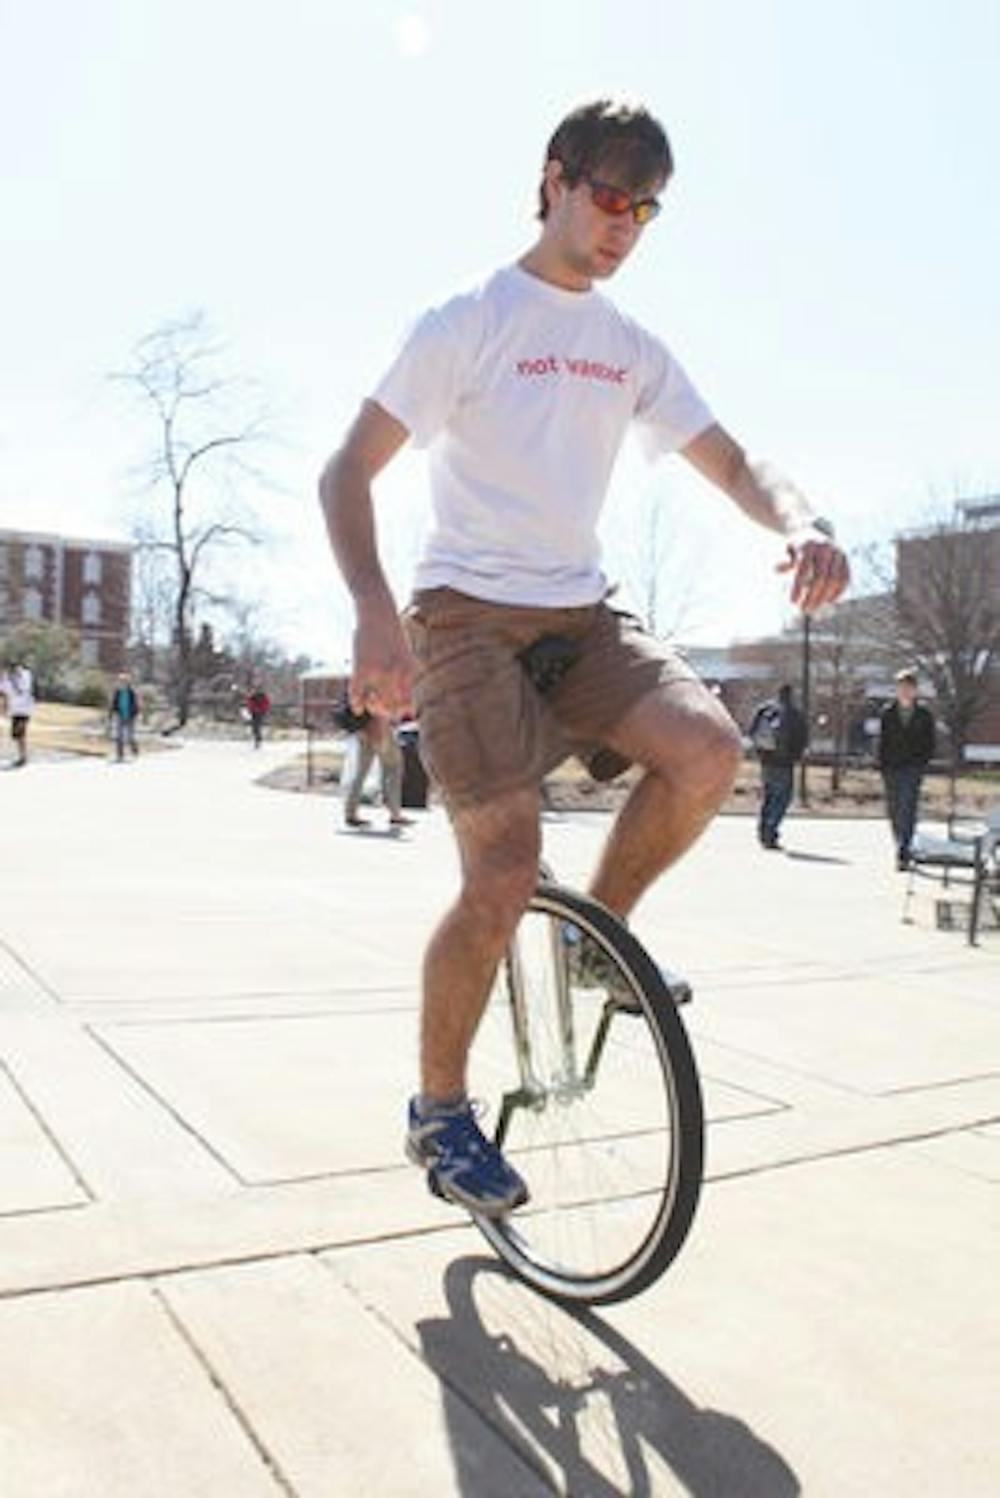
383,666
821,571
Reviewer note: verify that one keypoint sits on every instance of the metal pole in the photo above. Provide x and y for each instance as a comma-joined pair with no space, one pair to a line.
803,783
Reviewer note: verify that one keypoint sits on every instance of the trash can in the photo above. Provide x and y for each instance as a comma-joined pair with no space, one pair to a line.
414,774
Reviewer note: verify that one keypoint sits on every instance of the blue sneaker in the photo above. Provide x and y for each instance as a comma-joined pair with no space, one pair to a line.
462,1165
589,966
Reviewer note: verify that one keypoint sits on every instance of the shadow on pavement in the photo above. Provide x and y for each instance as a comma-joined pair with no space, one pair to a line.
587,1412
814,857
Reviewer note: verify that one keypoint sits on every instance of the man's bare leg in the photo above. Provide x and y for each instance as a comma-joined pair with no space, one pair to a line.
499,844
691,749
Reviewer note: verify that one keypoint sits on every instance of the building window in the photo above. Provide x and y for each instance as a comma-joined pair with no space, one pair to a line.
92,568
32,603
91,610
34,562
90,652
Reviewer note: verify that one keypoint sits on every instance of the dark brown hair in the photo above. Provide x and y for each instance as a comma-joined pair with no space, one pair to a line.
610,136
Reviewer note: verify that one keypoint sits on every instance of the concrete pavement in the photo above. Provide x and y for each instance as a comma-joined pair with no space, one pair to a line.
218,1276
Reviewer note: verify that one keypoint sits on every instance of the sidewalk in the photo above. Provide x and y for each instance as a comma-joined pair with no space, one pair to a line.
218,1277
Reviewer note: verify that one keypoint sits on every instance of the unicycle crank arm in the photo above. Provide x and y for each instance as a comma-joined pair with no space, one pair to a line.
611,1008
521,1097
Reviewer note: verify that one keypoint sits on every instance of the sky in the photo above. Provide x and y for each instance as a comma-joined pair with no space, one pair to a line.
311,175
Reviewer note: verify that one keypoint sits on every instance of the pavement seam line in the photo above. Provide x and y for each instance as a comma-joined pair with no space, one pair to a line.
163,1103
221,1387
227,1261
224,1261
783,1066
51,1136
36,978
855,1149
270,1017
983,1076
50,1210
389,1326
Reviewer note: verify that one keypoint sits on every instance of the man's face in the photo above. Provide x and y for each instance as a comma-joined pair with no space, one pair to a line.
906,693
593,241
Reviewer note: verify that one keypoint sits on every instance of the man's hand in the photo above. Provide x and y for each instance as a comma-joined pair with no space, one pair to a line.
382,679
819,567
383,666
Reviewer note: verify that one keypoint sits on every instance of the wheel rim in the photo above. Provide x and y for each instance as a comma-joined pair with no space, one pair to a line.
602,1156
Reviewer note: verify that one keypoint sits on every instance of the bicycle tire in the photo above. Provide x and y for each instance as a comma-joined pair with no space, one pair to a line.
668,1203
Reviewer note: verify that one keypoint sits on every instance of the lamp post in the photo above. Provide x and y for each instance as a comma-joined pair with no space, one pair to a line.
803,782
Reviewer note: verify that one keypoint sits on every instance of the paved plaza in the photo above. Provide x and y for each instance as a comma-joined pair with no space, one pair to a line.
219,1277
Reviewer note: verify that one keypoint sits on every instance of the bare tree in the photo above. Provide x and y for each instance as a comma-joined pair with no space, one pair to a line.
152,600
661,577
199,453
943,615
847,654
948,615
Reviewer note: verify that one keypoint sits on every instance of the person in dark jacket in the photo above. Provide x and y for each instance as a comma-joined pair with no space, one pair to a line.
905,747
123,714
779,735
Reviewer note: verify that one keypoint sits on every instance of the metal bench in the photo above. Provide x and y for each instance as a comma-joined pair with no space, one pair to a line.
964,853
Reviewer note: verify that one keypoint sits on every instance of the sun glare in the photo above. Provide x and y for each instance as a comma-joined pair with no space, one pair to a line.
412,34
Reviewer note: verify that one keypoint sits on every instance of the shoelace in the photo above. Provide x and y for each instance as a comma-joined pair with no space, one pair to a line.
475,1142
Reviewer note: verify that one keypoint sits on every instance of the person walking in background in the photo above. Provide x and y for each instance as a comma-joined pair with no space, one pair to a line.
373,736
18,688
257,706
905,748
123,714
779,735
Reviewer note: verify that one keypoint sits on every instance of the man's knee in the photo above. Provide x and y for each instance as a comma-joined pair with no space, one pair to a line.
704,763
497,889
686,737
724,753
500,848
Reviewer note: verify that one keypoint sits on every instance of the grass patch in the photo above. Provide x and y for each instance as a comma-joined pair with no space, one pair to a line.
570,788
59,728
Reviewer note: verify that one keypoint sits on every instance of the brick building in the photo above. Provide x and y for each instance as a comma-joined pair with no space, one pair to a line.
950,574
947,578
85,585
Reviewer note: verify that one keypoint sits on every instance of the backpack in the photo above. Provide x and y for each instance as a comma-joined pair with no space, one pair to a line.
765,732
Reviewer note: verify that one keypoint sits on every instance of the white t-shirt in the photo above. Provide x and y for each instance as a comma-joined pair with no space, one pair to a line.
523,392
18,688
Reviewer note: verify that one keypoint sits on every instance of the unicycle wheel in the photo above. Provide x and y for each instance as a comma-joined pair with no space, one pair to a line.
597,1105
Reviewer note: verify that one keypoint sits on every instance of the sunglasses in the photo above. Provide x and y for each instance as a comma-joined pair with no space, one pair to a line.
617,201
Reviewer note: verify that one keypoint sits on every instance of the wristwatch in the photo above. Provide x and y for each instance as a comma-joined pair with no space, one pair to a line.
806,531
824,526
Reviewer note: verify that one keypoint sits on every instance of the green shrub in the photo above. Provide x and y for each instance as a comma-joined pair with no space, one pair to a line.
93,691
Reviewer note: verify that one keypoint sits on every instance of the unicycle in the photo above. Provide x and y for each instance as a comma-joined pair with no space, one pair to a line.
597,1103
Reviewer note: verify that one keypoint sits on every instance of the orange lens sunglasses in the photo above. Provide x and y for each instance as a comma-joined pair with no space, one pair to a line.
616,201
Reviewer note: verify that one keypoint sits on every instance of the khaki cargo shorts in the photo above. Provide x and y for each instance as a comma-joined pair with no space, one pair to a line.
485,729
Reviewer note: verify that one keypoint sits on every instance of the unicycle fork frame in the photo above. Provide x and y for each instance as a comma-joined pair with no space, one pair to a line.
567,1081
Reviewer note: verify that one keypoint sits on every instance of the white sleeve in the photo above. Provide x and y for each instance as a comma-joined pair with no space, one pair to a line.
426,380
669,412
